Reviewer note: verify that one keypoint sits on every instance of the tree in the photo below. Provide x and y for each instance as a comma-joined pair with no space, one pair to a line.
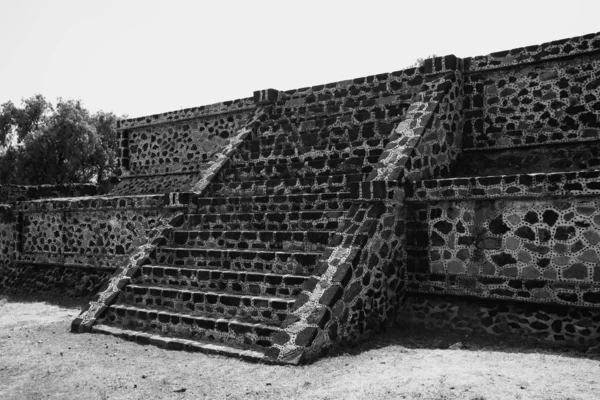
23,121
62,144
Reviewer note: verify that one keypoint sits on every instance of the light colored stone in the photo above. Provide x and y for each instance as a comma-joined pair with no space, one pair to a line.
451,241
551,274
530,272
561,248
589,255
561,260
524,256
592,236
585,211
512,243
542,294
456,267
514,219
437,267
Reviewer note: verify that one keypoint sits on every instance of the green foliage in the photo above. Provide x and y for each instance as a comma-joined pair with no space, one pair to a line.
43,144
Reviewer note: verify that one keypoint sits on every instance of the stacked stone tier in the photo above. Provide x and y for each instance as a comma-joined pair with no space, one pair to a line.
531,237
243,282
231,272
546,157
556,184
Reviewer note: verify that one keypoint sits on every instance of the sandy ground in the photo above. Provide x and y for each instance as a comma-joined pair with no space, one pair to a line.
41,359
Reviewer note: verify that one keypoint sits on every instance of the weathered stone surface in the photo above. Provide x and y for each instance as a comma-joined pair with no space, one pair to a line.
456,267
589,255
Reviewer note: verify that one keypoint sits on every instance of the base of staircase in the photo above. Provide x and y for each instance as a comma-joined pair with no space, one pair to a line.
172,343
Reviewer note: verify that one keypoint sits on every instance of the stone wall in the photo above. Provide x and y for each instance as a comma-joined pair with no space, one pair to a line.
98,232
555,101
562,324
9,238
563,48
543,250
172,151
529,235
72,246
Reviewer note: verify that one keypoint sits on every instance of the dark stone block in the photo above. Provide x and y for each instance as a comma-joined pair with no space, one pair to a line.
502,292
306,337
537,249
503,259
281,338
352,292
342,275
575,271
466,240
564,233
331,295
319,317
437,240
592,297
568,297
539,326
497,226
525,232
531,217
443,226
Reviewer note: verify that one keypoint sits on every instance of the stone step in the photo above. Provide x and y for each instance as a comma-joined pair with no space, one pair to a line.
337,102
329,137
255,239
273,221
317,119
542,158
339,201
183,325
268,261
175,343
253,308
313,185
301,153
254,283
555,184
303,169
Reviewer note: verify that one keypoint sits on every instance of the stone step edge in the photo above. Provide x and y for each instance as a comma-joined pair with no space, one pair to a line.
291,231
329,175
556,184
276,143
555,143
341,195
251,199
320,110
264,182
331,147
183,287
172,343
299,164
175,248
151,309
222,271
218,214
213,292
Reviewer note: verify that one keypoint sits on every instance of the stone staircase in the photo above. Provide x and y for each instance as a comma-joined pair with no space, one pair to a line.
229,275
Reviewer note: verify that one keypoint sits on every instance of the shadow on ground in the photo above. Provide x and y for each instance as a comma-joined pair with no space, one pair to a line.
415,337
54,299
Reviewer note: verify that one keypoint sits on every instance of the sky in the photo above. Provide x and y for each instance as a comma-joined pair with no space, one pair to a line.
138,58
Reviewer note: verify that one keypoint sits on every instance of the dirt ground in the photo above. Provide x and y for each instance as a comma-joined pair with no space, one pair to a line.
41,359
